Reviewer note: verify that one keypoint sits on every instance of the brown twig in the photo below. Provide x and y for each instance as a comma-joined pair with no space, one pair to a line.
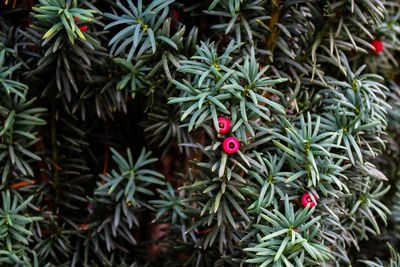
276,5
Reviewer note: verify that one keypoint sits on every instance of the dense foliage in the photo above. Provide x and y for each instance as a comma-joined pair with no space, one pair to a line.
199,133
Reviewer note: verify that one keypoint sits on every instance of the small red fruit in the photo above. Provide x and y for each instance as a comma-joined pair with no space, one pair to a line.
83,28
308,199
176,14
223,124
378,46
230,145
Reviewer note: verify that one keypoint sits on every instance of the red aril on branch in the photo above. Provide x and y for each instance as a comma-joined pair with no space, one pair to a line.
83,28
308,199
223,124
378,46
230,145
176,16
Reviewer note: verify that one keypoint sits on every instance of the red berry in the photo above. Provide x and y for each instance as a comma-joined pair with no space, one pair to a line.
223,124
176,14
308,199
83,28
230,145
378,46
